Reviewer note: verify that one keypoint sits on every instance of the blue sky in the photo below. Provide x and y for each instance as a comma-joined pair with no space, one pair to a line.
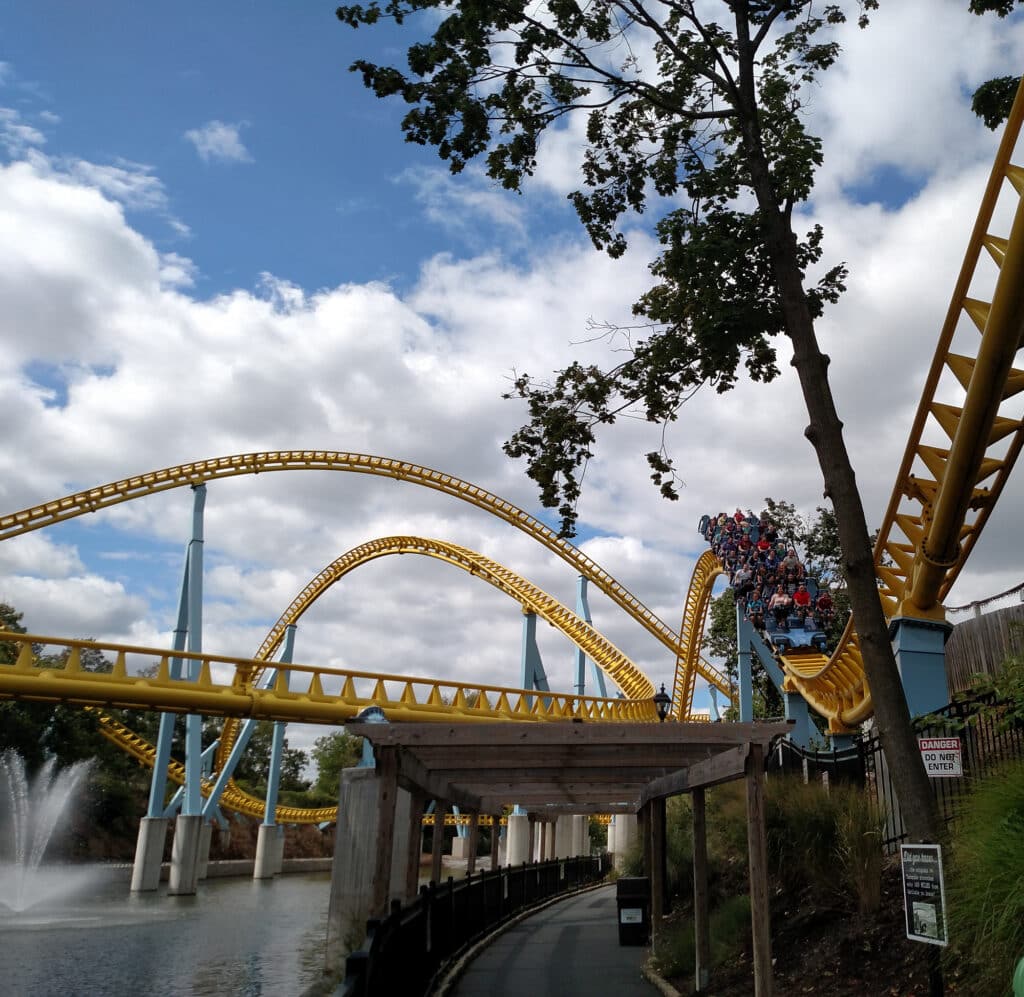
215,240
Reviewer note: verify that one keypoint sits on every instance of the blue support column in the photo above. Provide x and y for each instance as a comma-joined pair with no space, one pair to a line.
193,802
158,785
583,612
746,679
796,709
920,648
277,743
532,666
212,804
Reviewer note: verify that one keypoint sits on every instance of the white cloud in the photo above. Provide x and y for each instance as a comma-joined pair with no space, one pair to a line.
16,136
155,374
219,142
177,271
132,184
470,205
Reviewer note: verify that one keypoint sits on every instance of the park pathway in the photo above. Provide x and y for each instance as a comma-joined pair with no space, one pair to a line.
571,947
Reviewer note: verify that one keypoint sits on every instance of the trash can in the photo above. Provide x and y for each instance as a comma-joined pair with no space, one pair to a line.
633,900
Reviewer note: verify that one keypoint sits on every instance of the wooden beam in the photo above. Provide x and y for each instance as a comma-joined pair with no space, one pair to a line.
701,922
412,774
717,736
724,766
656,810
412,867
387,792
495,833
764,984
437,840
471,844
546,809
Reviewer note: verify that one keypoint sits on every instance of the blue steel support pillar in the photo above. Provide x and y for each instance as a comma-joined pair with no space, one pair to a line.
153,827
920,648
193,803
796,709
532,666
746,678
270,840
583,612
187,854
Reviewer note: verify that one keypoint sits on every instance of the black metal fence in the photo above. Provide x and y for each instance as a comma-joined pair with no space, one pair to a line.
987,742
404,951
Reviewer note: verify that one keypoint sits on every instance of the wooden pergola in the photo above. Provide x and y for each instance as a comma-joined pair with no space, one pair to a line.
573,767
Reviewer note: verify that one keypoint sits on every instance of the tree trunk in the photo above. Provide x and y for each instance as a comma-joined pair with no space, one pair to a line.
825,433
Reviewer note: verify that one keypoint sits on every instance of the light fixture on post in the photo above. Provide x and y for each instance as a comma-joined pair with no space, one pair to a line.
662,702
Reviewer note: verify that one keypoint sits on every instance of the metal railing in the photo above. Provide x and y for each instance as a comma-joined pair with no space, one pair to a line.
404,952
987,743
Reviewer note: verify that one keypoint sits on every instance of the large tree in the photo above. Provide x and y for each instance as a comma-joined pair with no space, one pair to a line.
694,111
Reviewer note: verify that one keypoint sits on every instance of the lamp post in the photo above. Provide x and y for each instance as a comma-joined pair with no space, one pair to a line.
662,702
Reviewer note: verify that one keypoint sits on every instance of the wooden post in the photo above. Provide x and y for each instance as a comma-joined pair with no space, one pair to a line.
764,984
701,925
495,832
643,826
387,775
412,861
657,837
474,834
440,809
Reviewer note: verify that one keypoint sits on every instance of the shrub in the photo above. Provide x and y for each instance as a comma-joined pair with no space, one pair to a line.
986,881
674,949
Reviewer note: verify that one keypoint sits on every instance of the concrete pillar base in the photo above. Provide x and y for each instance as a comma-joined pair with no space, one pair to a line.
518,839
563,837
203,857
460,847
265,866
401,845
149,854
625,838
355,846
580,836
185,856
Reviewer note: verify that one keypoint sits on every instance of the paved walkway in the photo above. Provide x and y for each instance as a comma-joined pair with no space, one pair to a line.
571,947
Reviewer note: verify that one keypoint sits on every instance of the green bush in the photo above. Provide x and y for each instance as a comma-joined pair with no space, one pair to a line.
827,843
674,949
985,891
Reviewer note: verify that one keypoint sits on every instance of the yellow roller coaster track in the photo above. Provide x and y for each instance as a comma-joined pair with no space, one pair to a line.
312,694
695,609
103,496
633,683
944,494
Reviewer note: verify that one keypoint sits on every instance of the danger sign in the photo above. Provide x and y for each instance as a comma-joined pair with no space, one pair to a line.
942,757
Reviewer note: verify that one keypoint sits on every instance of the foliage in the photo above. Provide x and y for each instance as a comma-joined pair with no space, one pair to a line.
674,951
994,98
826,843
332,753
985,881
720,632
700,129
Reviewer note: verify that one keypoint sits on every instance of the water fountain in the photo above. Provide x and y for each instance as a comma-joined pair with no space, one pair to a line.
30,811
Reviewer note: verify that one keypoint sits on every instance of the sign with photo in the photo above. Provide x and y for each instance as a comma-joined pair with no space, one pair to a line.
924,893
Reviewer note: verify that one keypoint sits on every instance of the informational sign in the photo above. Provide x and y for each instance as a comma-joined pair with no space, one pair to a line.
942,757
631,915
924,893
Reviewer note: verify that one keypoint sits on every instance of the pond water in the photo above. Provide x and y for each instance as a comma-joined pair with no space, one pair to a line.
235,936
